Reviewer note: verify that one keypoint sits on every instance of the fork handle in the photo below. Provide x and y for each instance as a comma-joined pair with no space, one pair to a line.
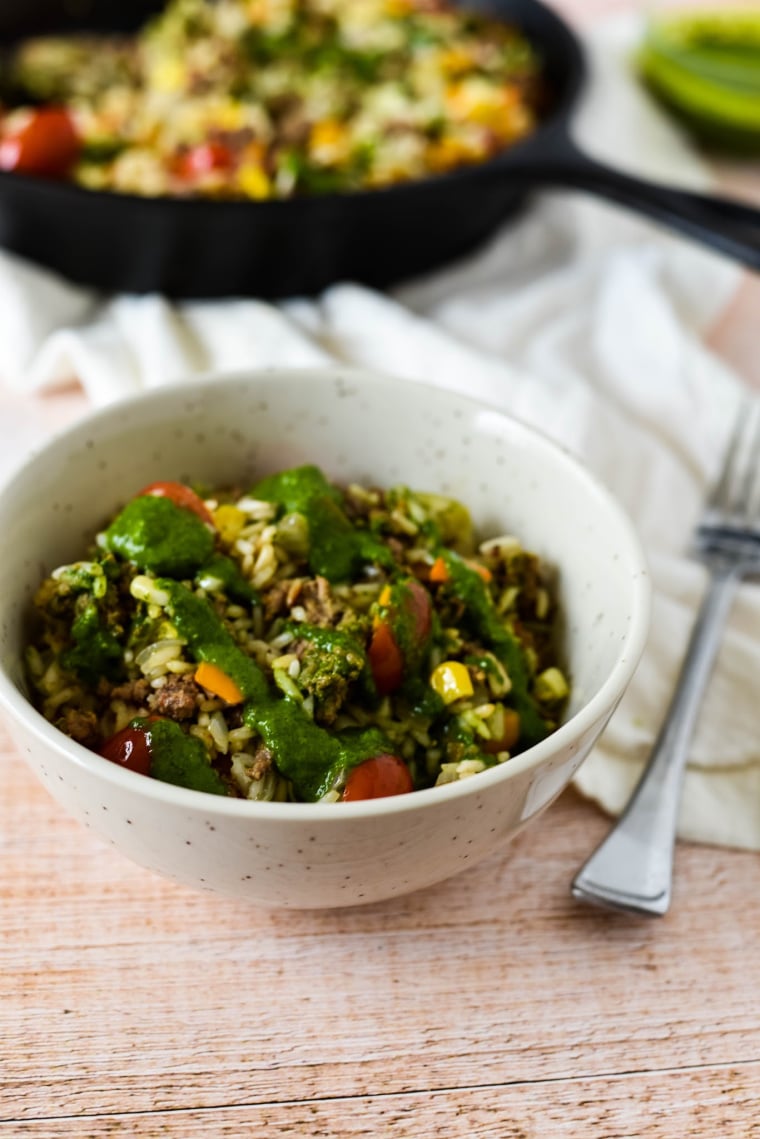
632,869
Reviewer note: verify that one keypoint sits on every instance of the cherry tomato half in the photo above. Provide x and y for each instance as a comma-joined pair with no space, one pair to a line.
180,495
377,778
411,608
129,748
418,606
47,143
203,159
385,659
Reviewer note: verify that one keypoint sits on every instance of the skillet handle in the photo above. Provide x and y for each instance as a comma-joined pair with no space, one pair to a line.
724,224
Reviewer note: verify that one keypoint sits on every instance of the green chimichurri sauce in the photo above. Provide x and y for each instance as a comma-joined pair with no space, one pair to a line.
224,571
162,538
209,640
178,758
95,652
159,537
341,653
308,755
467,584
340,661
336,549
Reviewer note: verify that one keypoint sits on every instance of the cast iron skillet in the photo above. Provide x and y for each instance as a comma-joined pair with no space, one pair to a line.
188,248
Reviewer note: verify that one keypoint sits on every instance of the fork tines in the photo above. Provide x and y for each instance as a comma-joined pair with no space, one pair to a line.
730,523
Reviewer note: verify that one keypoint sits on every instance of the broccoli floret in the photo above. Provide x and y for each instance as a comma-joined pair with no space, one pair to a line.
80,608
332,661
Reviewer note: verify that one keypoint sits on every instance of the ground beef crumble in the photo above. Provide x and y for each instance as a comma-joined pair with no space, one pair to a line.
263,761
314,596
178,698
133,691
317,599
81,726
281,597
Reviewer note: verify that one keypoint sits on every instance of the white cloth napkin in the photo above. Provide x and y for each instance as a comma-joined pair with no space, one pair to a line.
578,319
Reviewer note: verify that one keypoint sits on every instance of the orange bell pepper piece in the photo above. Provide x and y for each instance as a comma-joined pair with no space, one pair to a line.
211,677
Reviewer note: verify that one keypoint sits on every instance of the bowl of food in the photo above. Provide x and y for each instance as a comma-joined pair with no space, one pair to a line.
270,637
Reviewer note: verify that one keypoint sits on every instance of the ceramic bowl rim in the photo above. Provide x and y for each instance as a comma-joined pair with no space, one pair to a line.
601,703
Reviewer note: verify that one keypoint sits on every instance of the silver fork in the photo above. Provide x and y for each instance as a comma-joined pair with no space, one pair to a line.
632,869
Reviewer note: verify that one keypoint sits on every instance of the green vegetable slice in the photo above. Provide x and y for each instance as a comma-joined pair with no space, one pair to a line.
706,67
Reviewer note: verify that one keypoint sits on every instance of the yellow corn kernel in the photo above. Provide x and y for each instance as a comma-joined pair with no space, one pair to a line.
452,681
168,75
551,685
450,152
229,521
228,116
254,182
479,101
328,140
455,60
265,12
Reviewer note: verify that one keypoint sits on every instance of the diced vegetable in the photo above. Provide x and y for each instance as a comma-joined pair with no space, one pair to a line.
705,65
44,143
481,570
378,778
385,659
180,495
417,606
550,686
229,521
453,521
211,677
438,571
506,723
452,681
129,748
203,159
400,634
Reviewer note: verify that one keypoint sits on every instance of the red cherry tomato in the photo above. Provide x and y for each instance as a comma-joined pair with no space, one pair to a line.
129,748
417,604
203,159
377,778
46,144
180,495
411,608
385,659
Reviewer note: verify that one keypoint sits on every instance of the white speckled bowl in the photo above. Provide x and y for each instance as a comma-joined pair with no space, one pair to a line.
355,426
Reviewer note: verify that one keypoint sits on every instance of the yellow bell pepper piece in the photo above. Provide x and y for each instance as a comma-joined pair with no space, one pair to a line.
328,141
452,681
254,183
228,115
229,521
168,75
398,8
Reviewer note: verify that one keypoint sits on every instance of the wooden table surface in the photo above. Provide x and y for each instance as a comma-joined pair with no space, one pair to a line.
492,1005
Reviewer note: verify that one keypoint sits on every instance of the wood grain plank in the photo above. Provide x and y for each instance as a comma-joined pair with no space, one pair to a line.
134,994
716,1101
